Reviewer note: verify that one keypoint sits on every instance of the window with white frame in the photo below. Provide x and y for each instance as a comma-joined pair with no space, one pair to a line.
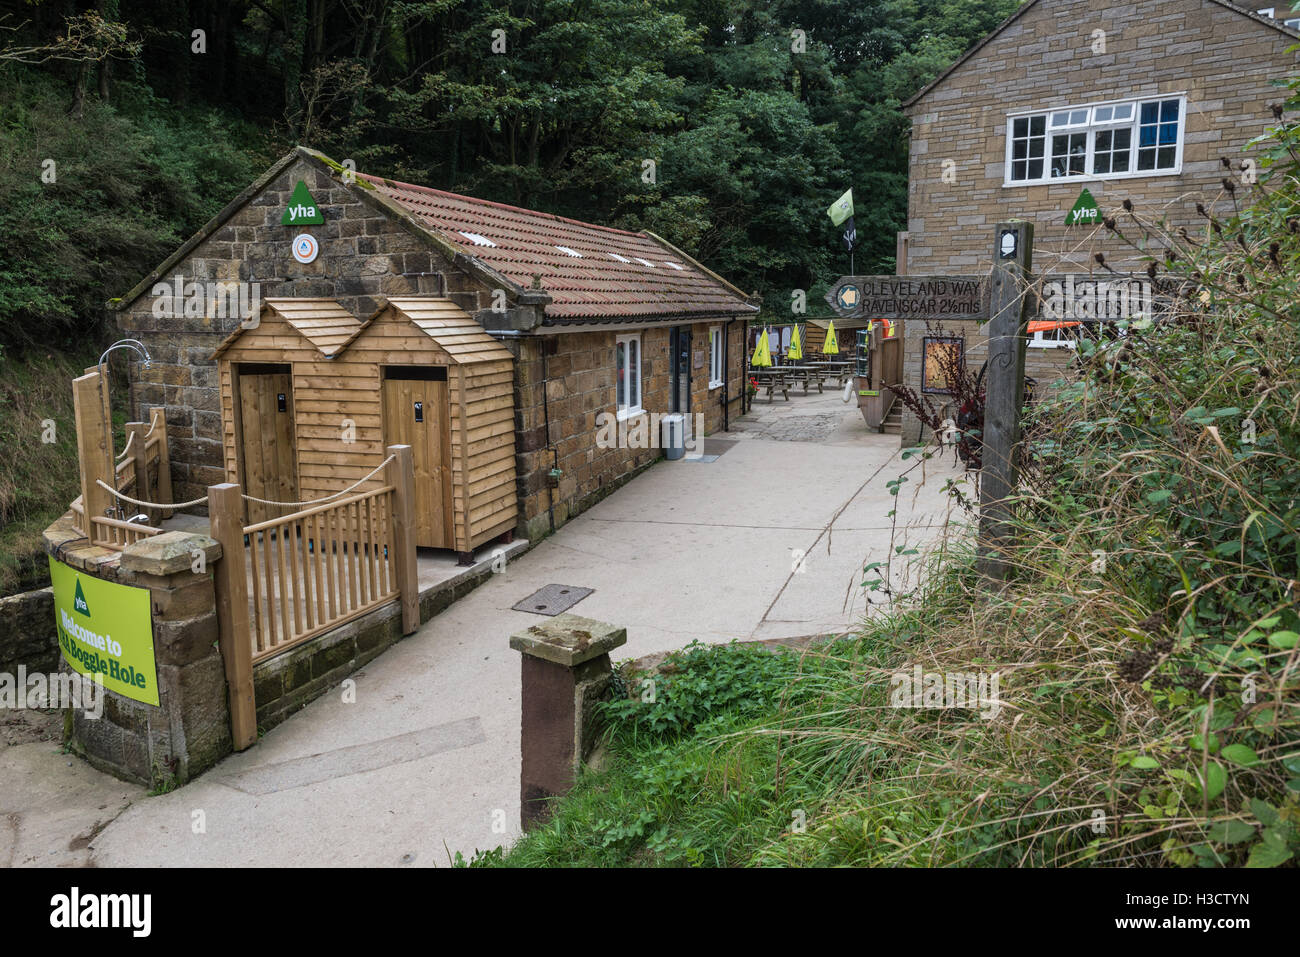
1059,338
1266,12
627,373
715,357
1293,23
1102,141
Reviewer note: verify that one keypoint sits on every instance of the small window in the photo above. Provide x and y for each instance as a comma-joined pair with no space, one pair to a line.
716,371
1158,135
627,374
1266,12
1065,337
1294,24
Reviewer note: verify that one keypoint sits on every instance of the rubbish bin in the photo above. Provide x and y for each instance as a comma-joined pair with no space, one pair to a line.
672,435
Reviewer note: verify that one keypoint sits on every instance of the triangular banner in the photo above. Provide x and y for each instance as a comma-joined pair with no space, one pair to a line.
302,209
1084,212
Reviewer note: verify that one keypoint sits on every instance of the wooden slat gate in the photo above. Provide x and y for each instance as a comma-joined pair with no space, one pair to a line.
285,581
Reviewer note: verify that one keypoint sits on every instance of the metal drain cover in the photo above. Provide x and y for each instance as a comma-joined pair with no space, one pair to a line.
553,599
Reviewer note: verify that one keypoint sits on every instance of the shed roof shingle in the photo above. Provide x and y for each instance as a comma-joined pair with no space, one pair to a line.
322,322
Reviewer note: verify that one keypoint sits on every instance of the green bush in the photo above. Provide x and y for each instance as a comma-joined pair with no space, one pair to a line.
92,204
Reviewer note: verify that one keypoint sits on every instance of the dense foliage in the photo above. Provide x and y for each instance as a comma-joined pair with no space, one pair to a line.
157,113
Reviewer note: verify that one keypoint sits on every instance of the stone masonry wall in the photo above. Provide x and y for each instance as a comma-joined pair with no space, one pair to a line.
189,731
1222,61
580,369
28,636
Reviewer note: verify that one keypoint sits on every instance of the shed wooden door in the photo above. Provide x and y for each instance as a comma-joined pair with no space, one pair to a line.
267,457
417,413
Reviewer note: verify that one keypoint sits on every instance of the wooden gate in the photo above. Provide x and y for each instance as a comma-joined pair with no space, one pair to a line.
267,460
416,413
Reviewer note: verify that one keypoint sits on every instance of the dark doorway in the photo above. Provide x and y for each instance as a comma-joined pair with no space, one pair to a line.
679,345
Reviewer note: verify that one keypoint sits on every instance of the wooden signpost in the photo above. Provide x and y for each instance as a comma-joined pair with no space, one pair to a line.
1004,394
1002,299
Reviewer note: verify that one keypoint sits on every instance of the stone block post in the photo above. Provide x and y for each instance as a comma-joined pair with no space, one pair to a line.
190,729
566,673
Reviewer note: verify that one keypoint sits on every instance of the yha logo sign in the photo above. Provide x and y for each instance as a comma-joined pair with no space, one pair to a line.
1084,212
302,209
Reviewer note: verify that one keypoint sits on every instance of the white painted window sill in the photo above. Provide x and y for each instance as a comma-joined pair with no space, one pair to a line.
625,414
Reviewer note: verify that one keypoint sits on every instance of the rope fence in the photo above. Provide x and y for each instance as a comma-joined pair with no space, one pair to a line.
251,498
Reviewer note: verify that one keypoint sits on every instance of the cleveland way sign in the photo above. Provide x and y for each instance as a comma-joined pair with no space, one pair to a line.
909,297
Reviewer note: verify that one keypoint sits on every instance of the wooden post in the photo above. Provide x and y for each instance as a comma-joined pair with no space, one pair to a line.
106,405
401,476
93,459
225,511
1004,393
158,422
140,461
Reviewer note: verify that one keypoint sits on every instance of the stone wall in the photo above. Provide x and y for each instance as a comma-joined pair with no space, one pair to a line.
1221,60
580,375
28,635
189,730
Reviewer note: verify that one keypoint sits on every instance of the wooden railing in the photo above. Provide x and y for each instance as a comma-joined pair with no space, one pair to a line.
282,582
143,470
315,569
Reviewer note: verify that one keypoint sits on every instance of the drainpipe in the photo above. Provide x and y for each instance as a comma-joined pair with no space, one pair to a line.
555,458
726,375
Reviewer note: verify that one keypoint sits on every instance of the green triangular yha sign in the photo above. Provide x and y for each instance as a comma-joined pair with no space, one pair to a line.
1084,212
79,600
302,209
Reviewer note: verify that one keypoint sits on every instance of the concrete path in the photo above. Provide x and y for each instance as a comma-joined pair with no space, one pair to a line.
765,540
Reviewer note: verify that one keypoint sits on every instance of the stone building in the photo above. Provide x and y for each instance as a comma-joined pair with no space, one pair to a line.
1134,101
598,320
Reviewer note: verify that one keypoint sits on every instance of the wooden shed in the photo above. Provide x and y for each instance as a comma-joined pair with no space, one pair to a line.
431,355
311,397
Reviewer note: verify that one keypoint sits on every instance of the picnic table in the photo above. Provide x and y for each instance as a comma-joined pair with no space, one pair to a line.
807,374
837,369
772,378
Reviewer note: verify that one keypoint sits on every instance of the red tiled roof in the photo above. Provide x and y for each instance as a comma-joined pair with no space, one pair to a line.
591,272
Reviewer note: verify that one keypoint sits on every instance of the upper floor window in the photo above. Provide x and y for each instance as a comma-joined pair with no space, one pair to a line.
1137,138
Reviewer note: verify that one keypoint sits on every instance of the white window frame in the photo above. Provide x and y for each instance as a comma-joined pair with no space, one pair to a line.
1039,339
1266,12
632,376
716,372
1090,128
1292,22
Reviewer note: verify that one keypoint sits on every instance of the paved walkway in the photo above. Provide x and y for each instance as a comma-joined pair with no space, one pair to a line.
765,540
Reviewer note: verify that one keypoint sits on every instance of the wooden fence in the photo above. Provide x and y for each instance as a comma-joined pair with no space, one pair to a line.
285,581
142,470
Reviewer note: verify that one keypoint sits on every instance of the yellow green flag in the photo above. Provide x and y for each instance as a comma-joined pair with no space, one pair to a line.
762,355
795,352
842,208
831,347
